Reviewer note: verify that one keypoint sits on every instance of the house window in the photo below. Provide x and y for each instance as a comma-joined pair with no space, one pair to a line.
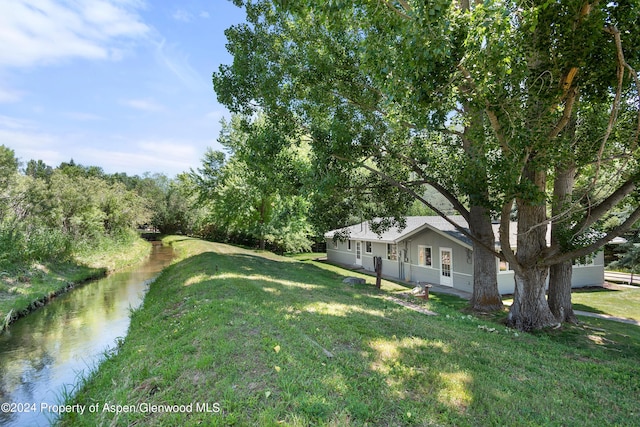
585,260
424,256
335,244
367,247
348,245
392,252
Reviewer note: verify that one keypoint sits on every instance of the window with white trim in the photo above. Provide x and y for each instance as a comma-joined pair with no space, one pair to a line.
503,266
392,252
348,245
424,256
367,247
584,261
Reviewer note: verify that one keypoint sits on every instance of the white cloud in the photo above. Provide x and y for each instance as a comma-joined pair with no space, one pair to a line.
182,15
9,95
169,157
144,105
204,14
34,32
31,145
178,64
173,149
14,123
83,117
113,152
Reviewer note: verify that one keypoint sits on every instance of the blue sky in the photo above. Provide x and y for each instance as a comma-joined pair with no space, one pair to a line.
120,84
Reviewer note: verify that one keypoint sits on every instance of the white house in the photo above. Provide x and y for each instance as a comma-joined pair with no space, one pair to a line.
430,249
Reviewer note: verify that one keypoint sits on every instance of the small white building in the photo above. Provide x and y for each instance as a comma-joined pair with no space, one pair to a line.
430,249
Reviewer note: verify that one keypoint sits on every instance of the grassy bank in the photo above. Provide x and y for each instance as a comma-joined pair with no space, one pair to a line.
24,288
241,338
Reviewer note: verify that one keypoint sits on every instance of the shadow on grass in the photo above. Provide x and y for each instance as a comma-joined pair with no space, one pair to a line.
388,365
595,289
583,307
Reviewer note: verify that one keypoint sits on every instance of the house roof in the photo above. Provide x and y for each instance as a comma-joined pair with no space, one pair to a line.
416,224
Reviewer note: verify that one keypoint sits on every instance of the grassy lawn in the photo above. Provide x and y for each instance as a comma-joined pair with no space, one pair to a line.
621,302
21,286
257,339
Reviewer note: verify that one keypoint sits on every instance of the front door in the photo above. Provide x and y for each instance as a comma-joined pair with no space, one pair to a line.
446,261
358,252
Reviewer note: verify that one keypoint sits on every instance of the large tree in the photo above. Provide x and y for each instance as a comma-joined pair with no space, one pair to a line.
315,71
258,190
475,98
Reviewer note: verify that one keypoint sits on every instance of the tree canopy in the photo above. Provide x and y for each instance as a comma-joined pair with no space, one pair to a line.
258,191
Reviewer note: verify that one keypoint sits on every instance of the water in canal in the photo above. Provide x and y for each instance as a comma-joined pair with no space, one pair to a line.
44,353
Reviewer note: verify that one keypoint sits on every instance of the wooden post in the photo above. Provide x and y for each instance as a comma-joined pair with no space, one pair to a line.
377,266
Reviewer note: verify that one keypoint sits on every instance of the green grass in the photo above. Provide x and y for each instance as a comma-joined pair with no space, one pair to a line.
21,286
252,334
623,302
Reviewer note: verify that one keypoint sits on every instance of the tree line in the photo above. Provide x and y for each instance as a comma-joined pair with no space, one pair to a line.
242,196
52,213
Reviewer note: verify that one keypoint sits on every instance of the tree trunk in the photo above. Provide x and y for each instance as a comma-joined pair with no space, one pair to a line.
377,267
560,292
261,223
486,296
560,274
530,309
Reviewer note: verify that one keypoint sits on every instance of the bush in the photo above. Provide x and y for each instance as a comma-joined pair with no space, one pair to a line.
43,244
19,245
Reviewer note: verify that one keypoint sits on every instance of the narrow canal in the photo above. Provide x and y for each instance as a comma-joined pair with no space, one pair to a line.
43,355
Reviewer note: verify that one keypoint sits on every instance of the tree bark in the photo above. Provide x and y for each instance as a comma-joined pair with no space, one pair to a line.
560,292
560,274
530,309
486,296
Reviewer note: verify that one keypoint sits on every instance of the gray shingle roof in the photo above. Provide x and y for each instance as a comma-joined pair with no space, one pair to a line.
415,224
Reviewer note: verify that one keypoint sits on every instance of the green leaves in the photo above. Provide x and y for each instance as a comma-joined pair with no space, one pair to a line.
257,191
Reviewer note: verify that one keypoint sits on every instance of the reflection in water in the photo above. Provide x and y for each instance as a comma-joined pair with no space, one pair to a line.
43,354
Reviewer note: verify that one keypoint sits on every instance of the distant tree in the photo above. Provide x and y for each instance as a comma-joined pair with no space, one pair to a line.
8,166
174,213
38,169
259,189
8,174
629,256
73,169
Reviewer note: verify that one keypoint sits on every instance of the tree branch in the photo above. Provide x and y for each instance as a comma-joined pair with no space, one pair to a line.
497,128
432,182
551,258
622,65
615,106
405,6
504,234
571,97
595,213
418,197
